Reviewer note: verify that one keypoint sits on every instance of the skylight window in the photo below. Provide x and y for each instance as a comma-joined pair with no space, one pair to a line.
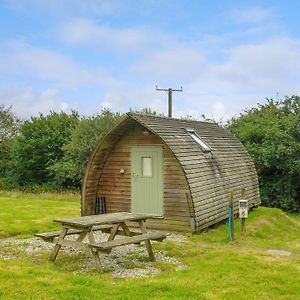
198,140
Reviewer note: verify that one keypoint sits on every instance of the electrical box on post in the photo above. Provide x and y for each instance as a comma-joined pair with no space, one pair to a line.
243,209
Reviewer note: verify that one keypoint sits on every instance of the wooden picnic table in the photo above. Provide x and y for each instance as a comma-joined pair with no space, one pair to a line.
116,222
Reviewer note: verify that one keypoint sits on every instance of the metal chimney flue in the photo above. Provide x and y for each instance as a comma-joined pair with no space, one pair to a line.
170,96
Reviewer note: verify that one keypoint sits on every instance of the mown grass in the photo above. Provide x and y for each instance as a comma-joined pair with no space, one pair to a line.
24,214
217,268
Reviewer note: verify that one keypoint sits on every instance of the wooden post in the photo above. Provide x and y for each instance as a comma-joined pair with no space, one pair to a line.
243,227
243,220
231,217
170,92
170,103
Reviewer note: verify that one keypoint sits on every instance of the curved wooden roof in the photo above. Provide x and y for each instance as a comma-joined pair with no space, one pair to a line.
210,175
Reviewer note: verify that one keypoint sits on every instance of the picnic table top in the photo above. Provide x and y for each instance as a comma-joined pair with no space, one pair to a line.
111,218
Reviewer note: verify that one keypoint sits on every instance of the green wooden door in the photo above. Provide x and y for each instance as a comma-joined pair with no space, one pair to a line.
147,180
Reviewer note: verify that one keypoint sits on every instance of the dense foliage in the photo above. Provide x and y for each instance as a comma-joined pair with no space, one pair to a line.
271,134
51,152
40,145
9,127
69,171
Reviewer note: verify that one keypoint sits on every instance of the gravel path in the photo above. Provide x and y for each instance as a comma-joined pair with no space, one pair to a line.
126,261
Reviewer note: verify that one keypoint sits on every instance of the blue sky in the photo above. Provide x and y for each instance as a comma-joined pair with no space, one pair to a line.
84,55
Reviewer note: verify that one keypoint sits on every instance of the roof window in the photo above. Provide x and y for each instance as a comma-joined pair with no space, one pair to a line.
204,147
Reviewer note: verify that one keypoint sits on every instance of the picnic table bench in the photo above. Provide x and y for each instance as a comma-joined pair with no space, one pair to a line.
104,246
113,223
50,236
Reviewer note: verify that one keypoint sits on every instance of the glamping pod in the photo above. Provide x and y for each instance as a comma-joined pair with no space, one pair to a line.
181,171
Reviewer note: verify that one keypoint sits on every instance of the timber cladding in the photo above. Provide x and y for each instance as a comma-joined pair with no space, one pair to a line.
195,183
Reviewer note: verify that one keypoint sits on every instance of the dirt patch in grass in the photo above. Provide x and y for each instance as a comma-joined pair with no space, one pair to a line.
279,252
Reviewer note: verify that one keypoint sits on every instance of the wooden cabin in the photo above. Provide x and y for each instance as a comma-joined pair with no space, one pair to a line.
181,171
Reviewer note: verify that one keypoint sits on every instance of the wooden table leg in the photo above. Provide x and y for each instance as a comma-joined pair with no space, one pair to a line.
57,246
113,232
147,243
125,228
94,252
81,236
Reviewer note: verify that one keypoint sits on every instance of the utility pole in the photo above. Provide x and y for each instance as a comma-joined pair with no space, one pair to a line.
170,93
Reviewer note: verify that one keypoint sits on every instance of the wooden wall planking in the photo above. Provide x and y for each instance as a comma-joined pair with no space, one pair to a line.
115,187
210,175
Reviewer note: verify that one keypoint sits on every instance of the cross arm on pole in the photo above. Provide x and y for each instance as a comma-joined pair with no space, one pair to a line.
166,90
169,92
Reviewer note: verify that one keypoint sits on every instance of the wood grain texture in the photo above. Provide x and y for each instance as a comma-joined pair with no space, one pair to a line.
49,236
116,187
206,177
153,236
105,219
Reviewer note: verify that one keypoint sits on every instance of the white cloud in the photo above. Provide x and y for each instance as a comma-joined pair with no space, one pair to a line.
218,110
20,58
67,7
23,59
128,96
220,75
262,67
177,61
26,103
252,15
85,31
247,75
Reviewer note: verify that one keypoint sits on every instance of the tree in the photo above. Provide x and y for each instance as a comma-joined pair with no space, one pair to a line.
70,170
271,134
147,111
9,124
40,145
9,128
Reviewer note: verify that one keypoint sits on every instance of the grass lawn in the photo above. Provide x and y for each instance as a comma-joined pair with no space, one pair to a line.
217,268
